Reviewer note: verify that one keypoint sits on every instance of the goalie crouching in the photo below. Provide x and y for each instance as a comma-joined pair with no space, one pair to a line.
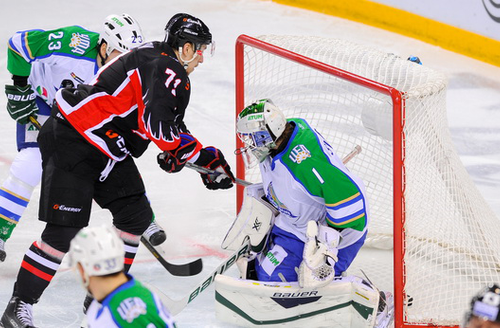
305,224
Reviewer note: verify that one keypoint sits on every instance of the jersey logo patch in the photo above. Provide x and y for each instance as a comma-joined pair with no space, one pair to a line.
273,199
299,153
131,308
42,92
79,43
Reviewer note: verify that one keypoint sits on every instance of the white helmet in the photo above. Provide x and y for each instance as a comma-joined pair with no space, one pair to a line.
99,250
121,32
259,126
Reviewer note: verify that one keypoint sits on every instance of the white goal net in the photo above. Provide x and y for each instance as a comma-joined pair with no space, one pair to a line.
447,238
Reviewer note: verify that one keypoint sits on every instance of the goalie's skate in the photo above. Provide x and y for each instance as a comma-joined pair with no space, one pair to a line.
385,314
18,314
2,250
155,234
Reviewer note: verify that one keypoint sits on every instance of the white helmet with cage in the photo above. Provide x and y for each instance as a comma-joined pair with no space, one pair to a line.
259,126
99,250
121,32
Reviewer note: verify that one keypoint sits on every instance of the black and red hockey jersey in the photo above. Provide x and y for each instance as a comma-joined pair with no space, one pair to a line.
139,97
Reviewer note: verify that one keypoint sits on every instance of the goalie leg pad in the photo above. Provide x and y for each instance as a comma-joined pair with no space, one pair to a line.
346,302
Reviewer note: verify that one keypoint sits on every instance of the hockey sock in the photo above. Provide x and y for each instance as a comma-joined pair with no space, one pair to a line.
131,246
14,198
39,265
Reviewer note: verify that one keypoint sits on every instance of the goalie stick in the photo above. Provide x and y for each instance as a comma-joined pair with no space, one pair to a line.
182,270
176,306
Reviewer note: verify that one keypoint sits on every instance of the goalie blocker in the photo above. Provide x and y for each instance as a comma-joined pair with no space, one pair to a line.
345,302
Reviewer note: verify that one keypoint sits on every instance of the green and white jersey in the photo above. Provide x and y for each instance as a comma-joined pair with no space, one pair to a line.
130,305
307,181
49,57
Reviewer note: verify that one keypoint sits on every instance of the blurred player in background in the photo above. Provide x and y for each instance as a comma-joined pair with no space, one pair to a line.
484,309
97,253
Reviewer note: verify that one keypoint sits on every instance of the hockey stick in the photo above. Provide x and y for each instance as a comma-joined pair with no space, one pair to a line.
176,306
245,183
204,170
182,270
35,122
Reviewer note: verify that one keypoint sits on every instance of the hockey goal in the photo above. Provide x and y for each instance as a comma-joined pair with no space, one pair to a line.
433,239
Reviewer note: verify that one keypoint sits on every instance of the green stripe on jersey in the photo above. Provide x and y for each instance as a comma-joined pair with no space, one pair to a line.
310,165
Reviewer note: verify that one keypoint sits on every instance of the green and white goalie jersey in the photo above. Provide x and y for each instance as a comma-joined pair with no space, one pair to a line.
310,182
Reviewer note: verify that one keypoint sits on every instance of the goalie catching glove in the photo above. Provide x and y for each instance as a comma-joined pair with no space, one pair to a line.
319,257
174,160
21,103
212,158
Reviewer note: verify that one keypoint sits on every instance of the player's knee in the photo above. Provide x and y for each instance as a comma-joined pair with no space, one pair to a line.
132,214
27,167
58,237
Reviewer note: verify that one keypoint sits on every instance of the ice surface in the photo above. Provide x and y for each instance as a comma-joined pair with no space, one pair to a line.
196,219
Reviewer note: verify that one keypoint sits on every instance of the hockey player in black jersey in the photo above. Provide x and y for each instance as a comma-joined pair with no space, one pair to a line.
88,143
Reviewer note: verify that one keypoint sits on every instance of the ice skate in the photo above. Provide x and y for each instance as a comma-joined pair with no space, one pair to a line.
385,314
3,254
18,314
155,234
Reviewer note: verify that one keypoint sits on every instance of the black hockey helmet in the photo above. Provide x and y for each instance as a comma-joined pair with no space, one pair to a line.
183,28
485,305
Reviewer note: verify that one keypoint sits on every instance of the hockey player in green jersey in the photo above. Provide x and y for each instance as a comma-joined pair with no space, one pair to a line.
320,208
97,253
41,62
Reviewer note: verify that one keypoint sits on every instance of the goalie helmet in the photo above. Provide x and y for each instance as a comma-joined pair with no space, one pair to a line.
183,28
99,250
259,126
121,32
485,305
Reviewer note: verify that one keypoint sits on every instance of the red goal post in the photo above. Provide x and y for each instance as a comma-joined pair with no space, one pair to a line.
396,111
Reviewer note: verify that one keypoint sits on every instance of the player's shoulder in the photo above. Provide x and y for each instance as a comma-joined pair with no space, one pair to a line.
74,41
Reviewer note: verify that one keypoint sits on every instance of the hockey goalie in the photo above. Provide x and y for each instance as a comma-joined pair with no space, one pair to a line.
305,224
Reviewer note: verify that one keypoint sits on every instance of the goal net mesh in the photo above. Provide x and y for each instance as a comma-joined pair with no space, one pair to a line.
451,236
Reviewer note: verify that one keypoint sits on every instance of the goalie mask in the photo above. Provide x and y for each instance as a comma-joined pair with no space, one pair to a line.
99,250
121,32
485,306
259,126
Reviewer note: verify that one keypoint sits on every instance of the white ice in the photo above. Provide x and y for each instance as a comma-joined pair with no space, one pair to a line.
196,219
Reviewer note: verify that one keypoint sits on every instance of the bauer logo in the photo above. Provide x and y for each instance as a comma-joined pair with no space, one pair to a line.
65,208
299,153
79,43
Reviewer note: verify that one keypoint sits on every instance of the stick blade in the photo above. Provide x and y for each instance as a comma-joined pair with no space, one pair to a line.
182,270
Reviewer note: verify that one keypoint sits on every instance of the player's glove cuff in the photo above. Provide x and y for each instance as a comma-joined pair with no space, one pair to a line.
21,103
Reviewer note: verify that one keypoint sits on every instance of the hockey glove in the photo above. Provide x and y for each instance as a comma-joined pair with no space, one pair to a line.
21,103
212,158
174,160
319,258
